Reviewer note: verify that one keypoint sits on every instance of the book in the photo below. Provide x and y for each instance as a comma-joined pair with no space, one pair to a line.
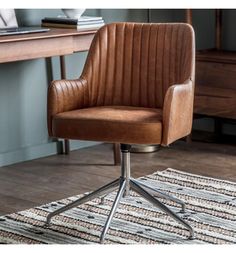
81,24
73,21
78,27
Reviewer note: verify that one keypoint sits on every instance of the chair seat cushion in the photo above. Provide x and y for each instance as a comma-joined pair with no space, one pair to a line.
121,124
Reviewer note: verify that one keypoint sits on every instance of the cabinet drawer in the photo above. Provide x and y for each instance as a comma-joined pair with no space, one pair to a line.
215,74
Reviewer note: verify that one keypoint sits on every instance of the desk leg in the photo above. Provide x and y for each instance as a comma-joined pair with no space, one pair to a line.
50,79
63,67
67,146
63,76
116,152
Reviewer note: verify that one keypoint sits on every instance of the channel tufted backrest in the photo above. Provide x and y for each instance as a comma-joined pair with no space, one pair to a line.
134,64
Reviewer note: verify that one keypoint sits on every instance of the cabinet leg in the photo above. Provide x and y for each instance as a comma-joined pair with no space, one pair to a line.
218,129
188,138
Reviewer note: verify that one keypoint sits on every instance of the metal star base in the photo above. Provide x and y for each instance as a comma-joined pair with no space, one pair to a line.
124,184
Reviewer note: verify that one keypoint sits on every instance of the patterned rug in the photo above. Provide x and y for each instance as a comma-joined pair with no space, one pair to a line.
210,209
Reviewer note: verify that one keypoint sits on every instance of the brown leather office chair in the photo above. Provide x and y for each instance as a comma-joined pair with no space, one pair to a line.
137,87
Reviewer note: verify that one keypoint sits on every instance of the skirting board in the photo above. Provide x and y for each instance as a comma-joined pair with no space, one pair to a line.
38,151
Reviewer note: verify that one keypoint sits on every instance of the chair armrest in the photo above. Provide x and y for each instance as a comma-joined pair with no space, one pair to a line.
178,112
66,95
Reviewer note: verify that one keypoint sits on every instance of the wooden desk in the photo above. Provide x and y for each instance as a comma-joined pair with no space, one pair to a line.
56,42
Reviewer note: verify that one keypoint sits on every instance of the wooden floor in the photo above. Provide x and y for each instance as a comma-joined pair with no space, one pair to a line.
43,180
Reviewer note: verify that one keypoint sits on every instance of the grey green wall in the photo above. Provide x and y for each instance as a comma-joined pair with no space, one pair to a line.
23,85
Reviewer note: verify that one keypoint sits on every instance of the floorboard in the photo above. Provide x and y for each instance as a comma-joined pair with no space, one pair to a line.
36,182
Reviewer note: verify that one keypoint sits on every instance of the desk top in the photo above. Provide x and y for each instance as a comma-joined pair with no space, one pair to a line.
52,33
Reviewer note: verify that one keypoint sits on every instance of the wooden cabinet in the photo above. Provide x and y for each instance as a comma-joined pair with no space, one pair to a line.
215,90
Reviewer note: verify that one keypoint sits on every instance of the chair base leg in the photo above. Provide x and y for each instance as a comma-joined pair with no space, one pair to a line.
163,195
113,210
106,189
137,187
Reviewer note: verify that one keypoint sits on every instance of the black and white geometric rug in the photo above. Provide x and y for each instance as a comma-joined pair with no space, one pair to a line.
210,209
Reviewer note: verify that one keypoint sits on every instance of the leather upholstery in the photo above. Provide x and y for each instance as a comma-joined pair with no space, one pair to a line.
65,95
123,124
129,65
177,111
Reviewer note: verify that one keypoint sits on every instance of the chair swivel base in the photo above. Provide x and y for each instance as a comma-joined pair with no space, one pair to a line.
124,184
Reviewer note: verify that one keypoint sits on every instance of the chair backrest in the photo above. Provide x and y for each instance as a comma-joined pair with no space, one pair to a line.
134,63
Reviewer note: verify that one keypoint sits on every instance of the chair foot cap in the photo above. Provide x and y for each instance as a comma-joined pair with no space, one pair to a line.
191,237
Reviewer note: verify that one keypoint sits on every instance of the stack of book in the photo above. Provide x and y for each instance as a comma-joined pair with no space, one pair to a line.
82,24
